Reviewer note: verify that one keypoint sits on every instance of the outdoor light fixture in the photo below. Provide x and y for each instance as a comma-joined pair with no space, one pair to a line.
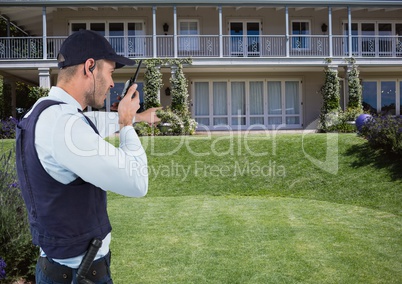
167,91
165,28
324,28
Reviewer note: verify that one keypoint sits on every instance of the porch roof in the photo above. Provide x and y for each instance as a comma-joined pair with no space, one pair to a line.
365,3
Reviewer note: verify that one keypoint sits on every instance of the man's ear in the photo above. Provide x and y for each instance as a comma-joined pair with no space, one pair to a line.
91,67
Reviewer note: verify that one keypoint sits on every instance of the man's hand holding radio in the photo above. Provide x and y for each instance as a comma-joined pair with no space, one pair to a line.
128,106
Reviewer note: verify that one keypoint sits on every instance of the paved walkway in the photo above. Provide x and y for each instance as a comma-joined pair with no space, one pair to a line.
250,132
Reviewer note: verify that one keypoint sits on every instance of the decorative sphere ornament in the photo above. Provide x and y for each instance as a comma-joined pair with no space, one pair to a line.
361,120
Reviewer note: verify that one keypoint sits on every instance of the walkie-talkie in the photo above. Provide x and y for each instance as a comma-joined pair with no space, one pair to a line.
131,81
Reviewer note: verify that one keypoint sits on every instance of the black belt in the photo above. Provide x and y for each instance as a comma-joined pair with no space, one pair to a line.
63,274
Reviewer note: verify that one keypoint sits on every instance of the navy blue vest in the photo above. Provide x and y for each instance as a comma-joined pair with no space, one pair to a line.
63,218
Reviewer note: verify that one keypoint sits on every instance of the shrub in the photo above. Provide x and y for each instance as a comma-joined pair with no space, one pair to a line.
144,129
36,93
331,98
3,266
172,122
385,133
339,121
16,249
7,128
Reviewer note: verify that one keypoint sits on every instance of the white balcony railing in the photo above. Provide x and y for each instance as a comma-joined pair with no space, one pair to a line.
266,46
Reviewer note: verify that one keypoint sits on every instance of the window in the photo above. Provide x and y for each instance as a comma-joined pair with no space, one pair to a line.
355,39
188,35
385,40
370,39
136,39
127,38
247,103
220,103
283,102
398,39
300,30
116,37
75,27
238,101
245,38
98,27
201,103
388,97
382,96
370,96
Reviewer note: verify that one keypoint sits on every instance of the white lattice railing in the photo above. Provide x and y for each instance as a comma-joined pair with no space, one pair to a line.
216,46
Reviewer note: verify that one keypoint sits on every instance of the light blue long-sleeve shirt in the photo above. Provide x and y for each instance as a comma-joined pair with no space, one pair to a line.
68,148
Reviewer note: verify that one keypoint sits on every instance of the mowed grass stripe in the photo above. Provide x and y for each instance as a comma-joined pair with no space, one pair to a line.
252,240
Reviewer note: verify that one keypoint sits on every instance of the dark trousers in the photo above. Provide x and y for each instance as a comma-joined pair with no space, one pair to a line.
44,277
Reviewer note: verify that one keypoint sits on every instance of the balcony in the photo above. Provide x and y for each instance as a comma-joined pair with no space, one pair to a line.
204,46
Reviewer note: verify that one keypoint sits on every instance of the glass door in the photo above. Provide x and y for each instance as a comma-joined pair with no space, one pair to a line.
253,39
385,39
292,103
98,27
256,102
188,36
201,103
116,37
388,97
220,109
368,39
284,103
274,103
355,39
238,103
398,39
236,39
136,40
245,38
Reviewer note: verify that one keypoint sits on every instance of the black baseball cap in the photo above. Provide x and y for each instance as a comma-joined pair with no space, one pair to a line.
85,44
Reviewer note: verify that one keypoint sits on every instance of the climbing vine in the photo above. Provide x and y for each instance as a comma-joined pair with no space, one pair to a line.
355,89
152,83
177,116
330,92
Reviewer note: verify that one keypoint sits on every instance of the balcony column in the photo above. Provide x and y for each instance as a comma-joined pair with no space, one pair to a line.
350,31
154,32
44,77
287,31
220,32
173,70
175,30
44,32
330,31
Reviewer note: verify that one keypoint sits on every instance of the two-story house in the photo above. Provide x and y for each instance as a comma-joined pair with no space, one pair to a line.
255,64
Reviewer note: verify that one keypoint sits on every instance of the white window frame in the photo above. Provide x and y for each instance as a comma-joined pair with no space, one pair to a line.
245,52
307,39
188,43
247,115
126,52
394,49
398,94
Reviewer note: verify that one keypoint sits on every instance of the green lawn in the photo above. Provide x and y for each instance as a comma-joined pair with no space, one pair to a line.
261,209
285,208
